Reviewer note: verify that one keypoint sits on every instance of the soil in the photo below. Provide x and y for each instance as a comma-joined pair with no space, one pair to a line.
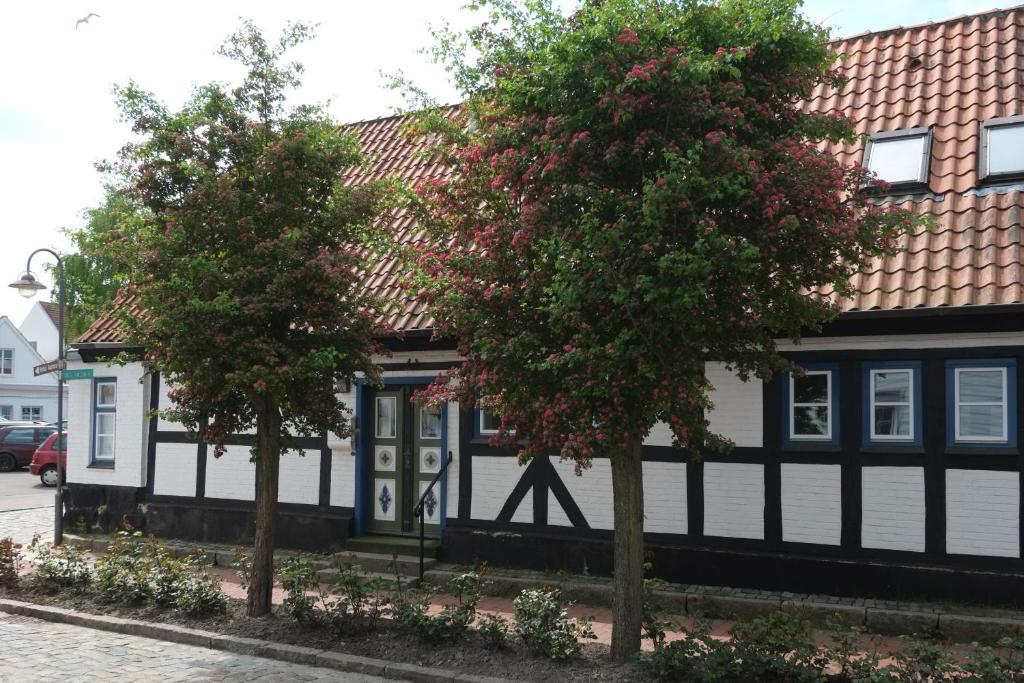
467,655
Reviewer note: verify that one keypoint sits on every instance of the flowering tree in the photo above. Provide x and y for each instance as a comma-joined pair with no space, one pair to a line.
637,190
247,265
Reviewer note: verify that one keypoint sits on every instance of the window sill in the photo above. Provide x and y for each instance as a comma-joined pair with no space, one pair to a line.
816,446
893,447
981,449
100,466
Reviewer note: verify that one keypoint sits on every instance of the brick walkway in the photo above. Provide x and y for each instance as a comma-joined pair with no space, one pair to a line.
83,655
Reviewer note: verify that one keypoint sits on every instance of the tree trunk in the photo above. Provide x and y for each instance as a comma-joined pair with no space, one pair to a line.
268,466
628,501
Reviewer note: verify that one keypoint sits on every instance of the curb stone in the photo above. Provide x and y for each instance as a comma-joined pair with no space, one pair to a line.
295,654
897,622
820,613
963,628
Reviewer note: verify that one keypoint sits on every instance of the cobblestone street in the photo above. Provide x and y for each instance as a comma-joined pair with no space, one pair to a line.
21,524
35,650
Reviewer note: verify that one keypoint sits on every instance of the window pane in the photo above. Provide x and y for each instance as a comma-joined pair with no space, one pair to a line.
981,386
105,423
386,417
6,412
106,394
892,387
1006,149
104,447
430,422
897,160
985,421
810,389
892,420
810,421
489,422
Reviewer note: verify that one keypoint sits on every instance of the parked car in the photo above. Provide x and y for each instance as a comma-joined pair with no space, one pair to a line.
44,460
18,443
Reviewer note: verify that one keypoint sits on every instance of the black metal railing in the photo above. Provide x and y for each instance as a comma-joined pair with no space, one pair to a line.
418,510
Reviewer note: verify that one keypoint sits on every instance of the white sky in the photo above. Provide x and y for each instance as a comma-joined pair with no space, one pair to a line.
57,116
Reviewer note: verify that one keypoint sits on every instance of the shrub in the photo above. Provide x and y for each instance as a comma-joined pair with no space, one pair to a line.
495,631
410,609
360,601
241,562
198,593
778,647
921,662
698,657
544,625
166,574
298,577
123,572
10,563
57,568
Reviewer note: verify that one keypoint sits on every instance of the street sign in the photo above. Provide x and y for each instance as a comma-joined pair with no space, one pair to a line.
83,373
52,366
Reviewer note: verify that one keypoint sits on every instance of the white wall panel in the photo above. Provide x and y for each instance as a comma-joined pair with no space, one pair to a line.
493,480
983,513
175,470
343,479
893,508
812,503
665,498
738,412
231,475
733,500
299,480
592,491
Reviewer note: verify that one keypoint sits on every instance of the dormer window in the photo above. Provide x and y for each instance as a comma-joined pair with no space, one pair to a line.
1002,149
900,157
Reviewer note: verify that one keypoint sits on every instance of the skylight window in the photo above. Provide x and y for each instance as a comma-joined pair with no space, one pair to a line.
900,157
1002,148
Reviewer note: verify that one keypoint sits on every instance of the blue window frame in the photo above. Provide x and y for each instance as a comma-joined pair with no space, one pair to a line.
892,407
981,404
810,407
104,419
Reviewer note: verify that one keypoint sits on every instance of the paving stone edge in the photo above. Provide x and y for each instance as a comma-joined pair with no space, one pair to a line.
295,654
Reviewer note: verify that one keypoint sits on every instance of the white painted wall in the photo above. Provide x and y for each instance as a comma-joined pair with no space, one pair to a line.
733,500
131,426
343,477
38,327
231,475
738,412
983,513
812,503
165,403
452,499
23,388
175,471
893,508
493,481
665,498
300,478
592,491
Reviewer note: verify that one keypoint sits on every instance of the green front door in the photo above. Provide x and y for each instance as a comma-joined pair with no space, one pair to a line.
406,456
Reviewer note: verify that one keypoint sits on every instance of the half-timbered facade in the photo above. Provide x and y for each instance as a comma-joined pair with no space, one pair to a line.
893,466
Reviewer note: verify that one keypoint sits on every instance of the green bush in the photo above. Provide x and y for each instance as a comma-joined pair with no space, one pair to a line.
10,563
544,625
495,631
778,647
298,577
359,601
58,568
199,594
123,573
410,610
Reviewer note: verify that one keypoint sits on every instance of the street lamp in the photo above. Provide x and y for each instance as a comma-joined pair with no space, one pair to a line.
27,285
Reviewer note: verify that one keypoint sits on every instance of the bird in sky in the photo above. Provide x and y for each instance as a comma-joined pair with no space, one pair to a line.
85,19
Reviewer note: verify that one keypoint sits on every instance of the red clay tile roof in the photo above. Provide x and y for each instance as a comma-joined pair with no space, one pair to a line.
971,69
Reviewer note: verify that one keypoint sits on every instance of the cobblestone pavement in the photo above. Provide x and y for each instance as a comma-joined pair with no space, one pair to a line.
35,650
21,524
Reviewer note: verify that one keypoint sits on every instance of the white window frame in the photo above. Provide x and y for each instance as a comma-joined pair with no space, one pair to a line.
1005,437
100,393
6,369
37,409
9,410
793,405
483,412
910,404
376,417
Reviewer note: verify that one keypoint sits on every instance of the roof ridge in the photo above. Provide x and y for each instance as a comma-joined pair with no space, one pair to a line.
913,27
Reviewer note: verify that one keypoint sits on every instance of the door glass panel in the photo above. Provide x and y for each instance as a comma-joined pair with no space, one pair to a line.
386,417
430,422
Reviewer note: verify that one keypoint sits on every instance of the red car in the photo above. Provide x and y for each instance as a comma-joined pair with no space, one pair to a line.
44,460
19,441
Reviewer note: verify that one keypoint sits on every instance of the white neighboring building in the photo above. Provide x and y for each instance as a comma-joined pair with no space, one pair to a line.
23,395
40,329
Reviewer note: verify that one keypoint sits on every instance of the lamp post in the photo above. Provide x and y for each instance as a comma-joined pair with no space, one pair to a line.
27,285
